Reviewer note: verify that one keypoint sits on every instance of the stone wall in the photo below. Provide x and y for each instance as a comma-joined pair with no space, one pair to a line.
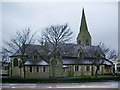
56,67
34,74
14,70
83,70
65,72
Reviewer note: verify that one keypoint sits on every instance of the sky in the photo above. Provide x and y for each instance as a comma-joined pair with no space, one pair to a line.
101,17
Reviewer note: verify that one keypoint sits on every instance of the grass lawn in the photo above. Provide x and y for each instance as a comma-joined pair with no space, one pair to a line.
99,76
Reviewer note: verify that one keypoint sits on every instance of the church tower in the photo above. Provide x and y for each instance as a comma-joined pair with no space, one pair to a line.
84,37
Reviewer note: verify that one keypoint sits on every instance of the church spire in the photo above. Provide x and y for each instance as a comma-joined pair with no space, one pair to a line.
84,37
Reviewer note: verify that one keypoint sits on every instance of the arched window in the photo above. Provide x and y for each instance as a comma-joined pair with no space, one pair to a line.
35,57
76,68
87,68
80,53
44,69
15,63
37,68
79,42
87,42
30,68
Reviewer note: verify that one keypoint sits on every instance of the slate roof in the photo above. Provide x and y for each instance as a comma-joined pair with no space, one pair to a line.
73,62
71,50
106,62
30,49
68,50
36,62
81,62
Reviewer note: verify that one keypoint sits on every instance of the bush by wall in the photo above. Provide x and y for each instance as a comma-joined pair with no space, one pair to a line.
61,80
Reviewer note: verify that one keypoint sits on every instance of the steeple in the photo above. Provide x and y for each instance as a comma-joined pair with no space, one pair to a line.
84,37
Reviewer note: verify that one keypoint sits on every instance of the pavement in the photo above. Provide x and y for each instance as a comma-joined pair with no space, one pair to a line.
100,85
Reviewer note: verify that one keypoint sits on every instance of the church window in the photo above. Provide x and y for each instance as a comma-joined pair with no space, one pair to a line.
44,69
87,43
15,62
118,68
35,56
87,68
87,40
30,68
37,68
98,68
77,68
79,42
40,56
80,53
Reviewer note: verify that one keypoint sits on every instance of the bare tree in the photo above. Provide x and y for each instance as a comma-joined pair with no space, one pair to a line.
104,48
42,41
98,59
110,53
57,34
4,54
113,54
5,60
19,43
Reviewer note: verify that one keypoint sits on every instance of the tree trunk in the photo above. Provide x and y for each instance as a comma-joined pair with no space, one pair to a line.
11,69
96,72
53,71
92,73
8,69
20,72
24,72
23,61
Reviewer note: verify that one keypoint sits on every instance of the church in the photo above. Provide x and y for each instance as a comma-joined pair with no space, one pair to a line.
74,59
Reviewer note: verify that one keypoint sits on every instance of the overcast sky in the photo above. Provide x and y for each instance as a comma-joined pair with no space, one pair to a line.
102,18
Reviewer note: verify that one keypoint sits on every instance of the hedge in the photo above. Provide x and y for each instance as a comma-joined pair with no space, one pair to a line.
60,80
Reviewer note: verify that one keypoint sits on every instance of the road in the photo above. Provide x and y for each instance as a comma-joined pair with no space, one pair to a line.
64,85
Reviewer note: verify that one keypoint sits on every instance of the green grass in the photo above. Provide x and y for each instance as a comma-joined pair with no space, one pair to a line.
90,76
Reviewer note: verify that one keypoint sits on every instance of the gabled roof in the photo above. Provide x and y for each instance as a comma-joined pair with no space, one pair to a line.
75,62
29,50
36,62
82,62
67,50
71,50
106,62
